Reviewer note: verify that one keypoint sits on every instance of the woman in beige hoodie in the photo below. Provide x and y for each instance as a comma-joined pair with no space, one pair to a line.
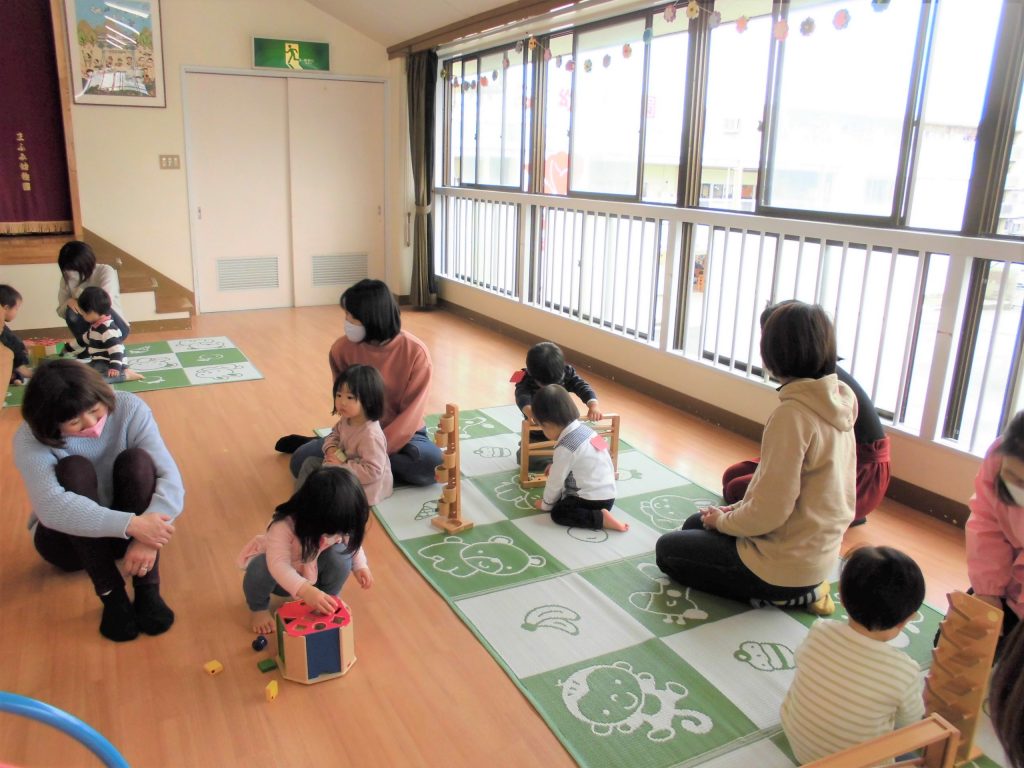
780,542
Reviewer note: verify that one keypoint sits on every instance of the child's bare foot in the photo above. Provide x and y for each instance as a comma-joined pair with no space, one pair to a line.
612,522
130,375
262,622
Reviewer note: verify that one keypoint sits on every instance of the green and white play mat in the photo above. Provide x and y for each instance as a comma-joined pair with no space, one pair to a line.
626,667
178,363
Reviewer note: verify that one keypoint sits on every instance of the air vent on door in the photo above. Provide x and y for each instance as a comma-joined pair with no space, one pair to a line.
247,274
339,269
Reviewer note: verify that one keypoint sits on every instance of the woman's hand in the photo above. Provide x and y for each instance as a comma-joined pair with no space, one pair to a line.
709,516
317,599
139,559
73,306
364,577
151,528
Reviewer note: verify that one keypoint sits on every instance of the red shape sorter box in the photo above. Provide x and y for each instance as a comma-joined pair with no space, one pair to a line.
313,647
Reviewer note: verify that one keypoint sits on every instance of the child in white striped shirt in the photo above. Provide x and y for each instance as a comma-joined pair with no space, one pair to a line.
104,340
851,685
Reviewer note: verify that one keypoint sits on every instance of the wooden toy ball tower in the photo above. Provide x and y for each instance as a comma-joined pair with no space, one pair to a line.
961,662
449,506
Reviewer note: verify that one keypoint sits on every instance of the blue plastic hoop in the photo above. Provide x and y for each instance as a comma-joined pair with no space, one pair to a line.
69,724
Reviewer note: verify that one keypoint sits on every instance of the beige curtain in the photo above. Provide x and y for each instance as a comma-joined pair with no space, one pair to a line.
421,77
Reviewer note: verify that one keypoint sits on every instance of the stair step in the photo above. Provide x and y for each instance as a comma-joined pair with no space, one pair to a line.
136,282
173,303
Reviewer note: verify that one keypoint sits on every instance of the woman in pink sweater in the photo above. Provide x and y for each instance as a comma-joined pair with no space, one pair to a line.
312,544
995,529
374,336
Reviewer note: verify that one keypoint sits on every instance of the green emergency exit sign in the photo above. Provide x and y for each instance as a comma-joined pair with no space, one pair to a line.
291,54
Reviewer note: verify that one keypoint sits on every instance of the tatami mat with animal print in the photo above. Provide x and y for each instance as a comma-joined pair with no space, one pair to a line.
626,667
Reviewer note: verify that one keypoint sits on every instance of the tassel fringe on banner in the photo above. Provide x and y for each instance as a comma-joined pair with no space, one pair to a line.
35,227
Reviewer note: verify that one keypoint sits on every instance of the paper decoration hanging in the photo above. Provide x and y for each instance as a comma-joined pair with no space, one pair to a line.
807,27
484,81
494,75
714,20
842,19
670,13
465,86
741,24
444,74
607,60
781,30
505,62
648,35
879,5
588,65
692,10
569,66
472,85
519,46
627,51
558,61
547,54
533,43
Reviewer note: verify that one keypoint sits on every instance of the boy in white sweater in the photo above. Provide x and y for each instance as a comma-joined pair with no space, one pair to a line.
851,685
580,490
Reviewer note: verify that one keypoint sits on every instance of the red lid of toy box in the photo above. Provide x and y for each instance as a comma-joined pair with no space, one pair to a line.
299,619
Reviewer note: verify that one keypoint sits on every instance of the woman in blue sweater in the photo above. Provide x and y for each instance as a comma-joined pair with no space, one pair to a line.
103,488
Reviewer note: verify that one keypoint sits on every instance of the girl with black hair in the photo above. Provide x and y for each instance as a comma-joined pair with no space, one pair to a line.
312,544
357,442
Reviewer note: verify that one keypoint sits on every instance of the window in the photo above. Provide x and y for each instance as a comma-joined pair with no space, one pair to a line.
1011,213
961,55
557,112
606,120
501,100
664,110
737,74
840,103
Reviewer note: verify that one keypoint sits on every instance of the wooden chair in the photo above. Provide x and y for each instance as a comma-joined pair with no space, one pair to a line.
934,734
607,427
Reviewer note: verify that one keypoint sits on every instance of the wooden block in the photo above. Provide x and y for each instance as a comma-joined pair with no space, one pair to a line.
265,665
450,460
213,667
270,692
441,474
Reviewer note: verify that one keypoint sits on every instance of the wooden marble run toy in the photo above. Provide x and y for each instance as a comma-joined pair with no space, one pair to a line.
934,734
607,427
961,663
313,647
449,506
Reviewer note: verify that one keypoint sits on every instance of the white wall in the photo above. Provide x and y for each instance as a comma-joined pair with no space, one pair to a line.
941,470
129,201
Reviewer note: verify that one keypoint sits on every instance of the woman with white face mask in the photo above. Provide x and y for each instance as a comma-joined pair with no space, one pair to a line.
103,488
374,336
995,529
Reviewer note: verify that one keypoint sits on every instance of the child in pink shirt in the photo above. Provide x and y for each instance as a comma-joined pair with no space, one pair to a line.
312,544
995,529
357,442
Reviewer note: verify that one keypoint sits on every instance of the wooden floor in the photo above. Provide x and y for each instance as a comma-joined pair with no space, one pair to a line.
424,691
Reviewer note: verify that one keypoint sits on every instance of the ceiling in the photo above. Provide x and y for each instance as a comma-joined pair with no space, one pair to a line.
390,22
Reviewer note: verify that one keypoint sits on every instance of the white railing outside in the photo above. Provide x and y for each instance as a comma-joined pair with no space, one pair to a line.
897,297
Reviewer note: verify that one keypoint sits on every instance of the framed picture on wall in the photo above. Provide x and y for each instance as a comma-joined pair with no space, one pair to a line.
115,53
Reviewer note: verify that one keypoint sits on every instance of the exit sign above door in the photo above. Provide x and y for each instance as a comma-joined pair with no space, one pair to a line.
291,54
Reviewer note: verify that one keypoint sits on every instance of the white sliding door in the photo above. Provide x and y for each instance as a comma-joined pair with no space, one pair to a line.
336,148
237,129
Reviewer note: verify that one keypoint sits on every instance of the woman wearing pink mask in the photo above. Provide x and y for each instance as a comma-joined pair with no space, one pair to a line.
102,487
374,336
995,529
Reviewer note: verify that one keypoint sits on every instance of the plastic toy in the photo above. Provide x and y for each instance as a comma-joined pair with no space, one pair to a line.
213,667
259,643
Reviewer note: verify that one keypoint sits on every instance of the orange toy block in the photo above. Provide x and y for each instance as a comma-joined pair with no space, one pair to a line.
213,667
271,690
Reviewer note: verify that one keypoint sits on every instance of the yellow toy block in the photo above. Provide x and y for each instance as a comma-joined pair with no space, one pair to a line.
271,690
213,667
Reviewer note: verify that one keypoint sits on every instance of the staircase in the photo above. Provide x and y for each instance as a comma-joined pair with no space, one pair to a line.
151,300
